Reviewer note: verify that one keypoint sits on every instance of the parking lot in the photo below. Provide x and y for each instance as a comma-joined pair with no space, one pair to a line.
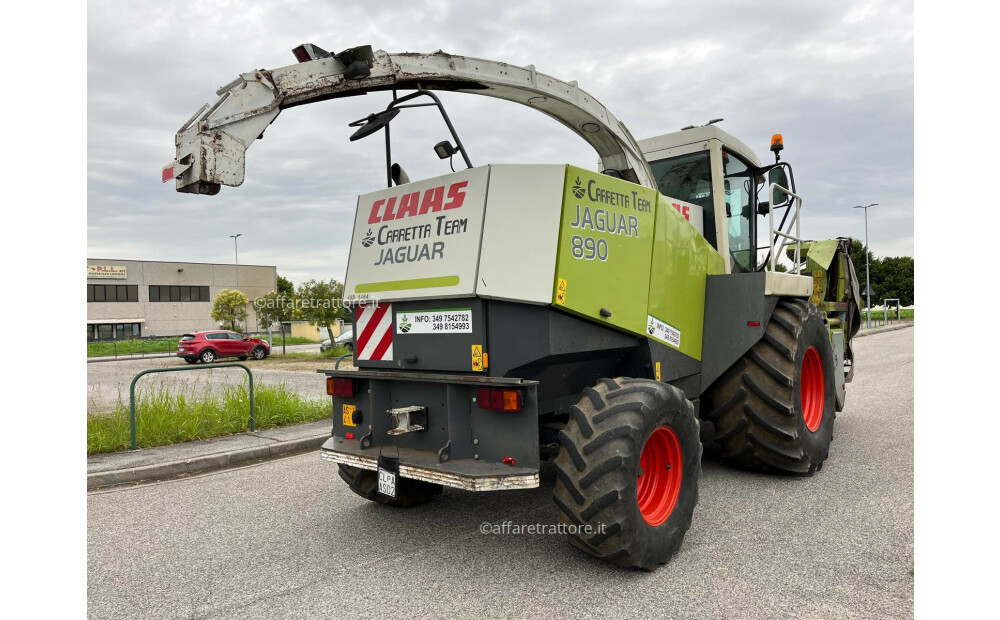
286,538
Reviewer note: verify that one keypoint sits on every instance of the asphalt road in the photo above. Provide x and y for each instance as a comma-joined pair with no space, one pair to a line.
287,539
109,381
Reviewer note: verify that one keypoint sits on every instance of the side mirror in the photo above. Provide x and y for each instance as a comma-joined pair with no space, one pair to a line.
777,175
245,337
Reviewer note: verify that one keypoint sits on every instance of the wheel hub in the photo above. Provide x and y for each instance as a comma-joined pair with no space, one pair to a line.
659,480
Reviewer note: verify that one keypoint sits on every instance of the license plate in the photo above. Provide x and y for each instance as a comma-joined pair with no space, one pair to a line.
387,482
348,415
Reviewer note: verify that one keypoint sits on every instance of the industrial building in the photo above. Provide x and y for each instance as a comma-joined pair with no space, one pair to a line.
132,298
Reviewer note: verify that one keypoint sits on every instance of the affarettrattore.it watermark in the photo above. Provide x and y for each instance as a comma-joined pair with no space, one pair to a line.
540,529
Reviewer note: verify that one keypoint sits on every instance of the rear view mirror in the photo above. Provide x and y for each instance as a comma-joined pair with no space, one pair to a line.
778,176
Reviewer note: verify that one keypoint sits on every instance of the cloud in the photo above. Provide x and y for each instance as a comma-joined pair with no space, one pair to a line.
835,79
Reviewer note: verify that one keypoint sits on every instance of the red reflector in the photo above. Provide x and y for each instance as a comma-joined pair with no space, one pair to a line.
509,460
348,435
340,387
496,399
753,323
168,173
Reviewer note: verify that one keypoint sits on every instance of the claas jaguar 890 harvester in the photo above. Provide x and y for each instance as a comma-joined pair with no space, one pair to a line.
506,315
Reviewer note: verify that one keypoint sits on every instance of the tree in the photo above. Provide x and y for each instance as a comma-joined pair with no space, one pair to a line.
857,254
285,286
892,278
322,303
230,307
275,307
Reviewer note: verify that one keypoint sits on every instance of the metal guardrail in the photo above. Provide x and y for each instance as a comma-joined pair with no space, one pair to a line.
785,238
131,389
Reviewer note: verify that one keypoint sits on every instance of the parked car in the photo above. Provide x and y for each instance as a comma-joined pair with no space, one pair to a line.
346,340
210,345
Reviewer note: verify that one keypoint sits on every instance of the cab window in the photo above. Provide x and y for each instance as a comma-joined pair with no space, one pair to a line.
687,178
738,217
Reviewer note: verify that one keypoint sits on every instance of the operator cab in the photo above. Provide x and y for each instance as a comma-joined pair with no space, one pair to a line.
708,167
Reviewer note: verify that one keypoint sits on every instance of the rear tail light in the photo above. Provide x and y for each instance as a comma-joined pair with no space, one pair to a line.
340,387
497,399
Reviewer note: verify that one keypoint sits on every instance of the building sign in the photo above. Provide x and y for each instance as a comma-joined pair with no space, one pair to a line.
106,272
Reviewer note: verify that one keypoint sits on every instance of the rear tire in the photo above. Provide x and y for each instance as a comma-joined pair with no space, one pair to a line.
207,356
409,492
619,427
774,409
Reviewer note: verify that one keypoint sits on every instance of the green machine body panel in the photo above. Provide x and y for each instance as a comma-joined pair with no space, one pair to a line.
625,250
680,263
605,247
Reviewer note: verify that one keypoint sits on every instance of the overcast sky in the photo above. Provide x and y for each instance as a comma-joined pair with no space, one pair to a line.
835,78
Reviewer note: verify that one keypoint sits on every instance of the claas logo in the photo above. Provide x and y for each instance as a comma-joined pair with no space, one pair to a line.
409,205
578,190
369,239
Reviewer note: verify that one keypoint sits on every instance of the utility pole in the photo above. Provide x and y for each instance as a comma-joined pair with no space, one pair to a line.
236,244
868,278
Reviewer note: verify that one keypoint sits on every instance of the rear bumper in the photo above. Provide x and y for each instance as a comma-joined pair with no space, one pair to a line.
456,443
468,475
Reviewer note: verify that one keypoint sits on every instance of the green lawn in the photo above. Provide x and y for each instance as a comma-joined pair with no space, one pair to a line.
131,347
165,418
905,315
276,340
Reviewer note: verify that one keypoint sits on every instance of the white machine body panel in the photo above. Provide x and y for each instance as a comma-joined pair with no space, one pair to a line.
419,240
518,258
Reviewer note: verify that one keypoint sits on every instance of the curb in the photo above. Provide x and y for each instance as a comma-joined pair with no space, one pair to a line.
887,328
97,359
201,464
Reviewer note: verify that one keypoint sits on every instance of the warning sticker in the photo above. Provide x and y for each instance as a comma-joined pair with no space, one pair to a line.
348,414
561,292
451,321
477,357
817,285
657,371
664,332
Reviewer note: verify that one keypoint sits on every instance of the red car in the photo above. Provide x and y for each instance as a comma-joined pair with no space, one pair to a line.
208,346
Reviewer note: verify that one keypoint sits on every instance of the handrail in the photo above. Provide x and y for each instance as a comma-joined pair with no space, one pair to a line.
131,389
786,238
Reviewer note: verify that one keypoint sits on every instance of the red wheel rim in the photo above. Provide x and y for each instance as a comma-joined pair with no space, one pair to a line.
813,389
660,471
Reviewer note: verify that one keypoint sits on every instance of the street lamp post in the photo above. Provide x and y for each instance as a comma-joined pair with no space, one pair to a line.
236,245
868,279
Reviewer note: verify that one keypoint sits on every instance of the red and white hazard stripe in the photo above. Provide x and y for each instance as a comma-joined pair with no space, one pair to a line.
373,325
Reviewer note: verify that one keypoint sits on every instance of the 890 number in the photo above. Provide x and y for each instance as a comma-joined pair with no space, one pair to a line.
589,248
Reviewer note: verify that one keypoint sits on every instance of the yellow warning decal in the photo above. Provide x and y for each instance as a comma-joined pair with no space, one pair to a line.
561,292
477,357
817,285
348,414
657,371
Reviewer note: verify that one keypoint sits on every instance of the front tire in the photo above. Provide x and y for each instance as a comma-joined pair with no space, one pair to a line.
258,353
409,492
627,471
774,409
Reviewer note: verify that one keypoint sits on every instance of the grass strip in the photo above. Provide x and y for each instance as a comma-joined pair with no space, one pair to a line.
163,417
